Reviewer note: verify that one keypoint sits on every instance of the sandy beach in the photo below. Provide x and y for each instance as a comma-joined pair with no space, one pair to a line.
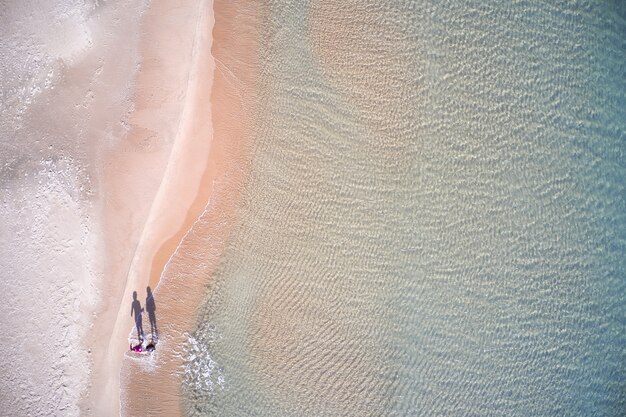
133,176
191,255
173,181
65,101
341,208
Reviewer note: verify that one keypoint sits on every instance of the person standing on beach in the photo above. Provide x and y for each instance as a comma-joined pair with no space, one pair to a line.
136,309
151,309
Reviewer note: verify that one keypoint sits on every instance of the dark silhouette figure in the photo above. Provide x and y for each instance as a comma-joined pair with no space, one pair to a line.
136,309
151,309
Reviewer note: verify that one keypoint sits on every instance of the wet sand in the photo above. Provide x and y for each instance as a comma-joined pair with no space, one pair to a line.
194,210
131,172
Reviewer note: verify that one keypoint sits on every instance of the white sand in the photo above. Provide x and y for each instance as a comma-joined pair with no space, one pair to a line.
62,95
116,124
48,252
78,174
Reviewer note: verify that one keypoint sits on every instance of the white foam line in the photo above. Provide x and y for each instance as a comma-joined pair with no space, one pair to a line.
182,240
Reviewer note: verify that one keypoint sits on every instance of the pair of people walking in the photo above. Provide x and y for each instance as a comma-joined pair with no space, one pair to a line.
137,311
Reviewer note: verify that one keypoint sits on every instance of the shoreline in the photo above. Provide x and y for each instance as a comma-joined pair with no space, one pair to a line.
197,246
131,175
169,190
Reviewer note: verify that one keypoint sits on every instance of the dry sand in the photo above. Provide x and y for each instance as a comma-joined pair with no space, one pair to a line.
64,87
157,190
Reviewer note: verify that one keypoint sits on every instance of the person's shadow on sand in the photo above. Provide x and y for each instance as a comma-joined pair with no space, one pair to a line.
136,309
151,309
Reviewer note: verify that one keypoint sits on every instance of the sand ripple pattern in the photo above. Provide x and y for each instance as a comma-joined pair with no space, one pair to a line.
435,222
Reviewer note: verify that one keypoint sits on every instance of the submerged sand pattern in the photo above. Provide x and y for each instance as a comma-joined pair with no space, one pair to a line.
424,231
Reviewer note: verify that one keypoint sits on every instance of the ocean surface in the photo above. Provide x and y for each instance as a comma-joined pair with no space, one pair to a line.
435,218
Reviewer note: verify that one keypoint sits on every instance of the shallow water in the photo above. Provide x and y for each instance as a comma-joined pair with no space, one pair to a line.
435,220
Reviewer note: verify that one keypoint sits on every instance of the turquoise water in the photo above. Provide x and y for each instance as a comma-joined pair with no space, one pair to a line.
435,221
